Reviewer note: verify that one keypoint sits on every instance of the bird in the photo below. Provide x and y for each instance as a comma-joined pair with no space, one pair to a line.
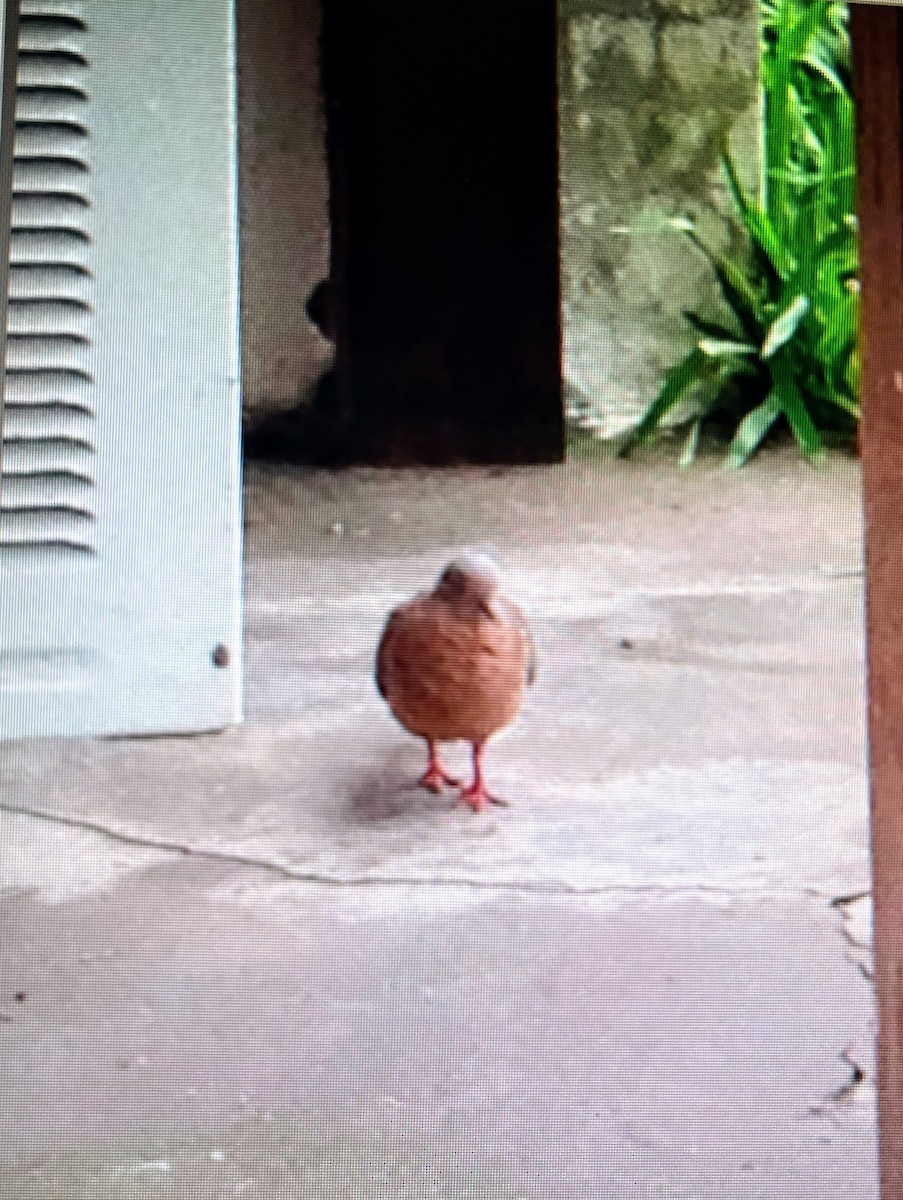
453,664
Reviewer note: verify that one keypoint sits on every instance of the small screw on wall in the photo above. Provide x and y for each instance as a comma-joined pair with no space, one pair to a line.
220,656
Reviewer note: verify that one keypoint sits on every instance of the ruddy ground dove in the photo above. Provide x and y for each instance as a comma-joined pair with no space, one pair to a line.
453,665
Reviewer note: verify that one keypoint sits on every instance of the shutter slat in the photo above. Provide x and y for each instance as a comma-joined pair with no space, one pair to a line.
50,387
62,10
33,527
47,422
51,139
69,317
34,209
50,104
36,456
65,177
37,353
40,282
62,246
51,38
63,74
60,490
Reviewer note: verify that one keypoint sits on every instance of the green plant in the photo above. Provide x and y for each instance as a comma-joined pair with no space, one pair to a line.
786,346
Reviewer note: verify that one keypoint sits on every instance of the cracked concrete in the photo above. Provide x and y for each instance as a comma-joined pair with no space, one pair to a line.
263,964
856,912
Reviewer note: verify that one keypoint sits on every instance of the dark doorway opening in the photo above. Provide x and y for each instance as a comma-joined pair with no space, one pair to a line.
443,157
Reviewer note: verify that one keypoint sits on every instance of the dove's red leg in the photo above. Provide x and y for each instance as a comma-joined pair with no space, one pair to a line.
478,795
436,777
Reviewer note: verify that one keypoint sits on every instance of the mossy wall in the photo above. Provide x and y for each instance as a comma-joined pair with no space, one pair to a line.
650,92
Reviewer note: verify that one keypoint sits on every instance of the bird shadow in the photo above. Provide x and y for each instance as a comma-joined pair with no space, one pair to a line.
390,791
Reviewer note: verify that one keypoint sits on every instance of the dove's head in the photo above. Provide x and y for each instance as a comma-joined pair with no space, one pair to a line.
470,578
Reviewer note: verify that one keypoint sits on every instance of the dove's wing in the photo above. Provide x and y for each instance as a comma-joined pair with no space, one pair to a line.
391,629
383,652
516,616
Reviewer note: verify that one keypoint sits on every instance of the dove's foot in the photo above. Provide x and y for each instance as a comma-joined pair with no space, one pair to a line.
478,795
435,778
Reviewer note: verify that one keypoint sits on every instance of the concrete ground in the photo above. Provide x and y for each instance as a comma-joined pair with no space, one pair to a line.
264,965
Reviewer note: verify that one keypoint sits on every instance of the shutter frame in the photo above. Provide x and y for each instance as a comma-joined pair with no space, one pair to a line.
122,483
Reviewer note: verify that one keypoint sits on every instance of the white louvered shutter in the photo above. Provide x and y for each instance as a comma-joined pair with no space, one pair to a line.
120,496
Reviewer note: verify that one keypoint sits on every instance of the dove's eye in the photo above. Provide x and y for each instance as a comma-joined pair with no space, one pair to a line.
454,580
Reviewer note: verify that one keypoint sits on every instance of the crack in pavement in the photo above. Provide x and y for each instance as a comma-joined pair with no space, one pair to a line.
827,1107
857,1076
846,1092
850,898
842,905
859,1073
325,879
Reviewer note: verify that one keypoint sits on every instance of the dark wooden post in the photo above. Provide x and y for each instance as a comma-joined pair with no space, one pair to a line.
878,41
443,148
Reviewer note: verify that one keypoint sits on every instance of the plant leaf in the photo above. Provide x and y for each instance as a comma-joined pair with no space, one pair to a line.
794,408
691,445
722,348
752,429
712,329
690,370
741,298
785,326
739,292
758,223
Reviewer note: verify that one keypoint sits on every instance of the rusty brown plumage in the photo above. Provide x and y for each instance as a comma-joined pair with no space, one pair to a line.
453,665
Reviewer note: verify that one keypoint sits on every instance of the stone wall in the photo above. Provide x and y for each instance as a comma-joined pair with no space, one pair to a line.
650,89
283,194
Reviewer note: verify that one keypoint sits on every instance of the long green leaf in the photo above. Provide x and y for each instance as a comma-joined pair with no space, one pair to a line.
734,283
752,429
785,326
758,223
712,329
794,408
689,371
851,382
724,348
691,444
740,294
840,325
